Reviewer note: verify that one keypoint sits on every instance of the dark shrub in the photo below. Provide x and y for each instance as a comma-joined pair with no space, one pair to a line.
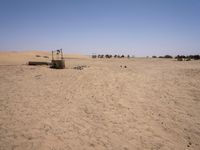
179,59
168,56
189,57
196,57
108,56
94,56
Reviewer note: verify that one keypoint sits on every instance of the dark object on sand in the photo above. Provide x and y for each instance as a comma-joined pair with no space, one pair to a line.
34,63
80,67
168,56
180,59
188,59
45,56
59,62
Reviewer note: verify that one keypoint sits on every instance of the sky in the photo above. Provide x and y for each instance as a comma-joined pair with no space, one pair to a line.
134,27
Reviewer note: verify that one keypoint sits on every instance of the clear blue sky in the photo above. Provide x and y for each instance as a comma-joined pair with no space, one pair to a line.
136,27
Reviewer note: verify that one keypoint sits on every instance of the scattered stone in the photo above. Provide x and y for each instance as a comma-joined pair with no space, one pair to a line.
189,144
123,66
38,76
125,148
29,138
45,56
80,67
92,145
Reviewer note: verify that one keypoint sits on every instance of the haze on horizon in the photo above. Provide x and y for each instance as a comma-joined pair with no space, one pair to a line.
135,27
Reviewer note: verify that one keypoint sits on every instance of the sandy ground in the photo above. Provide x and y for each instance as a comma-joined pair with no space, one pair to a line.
152,104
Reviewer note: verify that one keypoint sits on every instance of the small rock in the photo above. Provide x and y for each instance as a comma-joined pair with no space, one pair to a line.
30,138
92,145
80,67
45,56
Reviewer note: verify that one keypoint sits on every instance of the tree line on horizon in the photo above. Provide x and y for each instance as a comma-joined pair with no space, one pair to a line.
112,56
180,57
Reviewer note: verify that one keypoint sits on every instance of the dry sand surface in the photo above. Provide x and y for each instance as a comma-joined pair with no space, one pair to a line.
152,104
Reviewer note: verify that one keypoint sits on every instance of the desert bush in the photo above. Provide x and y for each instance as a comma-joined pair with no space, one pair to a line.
108,56
168,56
94,56
196,57
189,57
180,59
100,56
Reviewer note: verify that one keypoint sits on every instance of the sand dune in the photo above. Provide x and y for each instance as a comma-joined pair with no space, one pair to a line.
151,104
18,58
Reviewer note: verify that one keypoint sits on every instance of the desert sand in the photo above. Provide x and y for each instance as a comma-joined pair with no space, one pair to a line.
152,104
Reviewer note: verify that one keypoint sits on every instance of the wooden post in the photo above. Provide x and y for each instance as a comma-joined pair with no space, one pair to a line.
52,56
61,53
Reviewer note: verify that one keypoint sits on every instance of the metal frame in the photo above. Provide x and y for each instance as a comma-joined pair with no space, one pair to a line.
59,51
